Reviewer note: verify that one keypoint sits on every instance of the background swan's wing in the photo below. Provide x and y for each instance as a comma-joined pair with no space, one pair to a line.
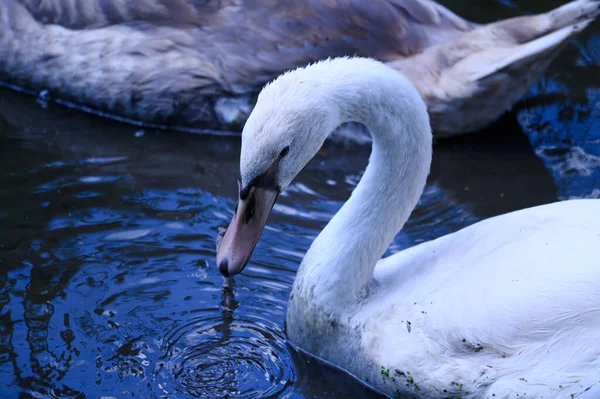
86,14
471,81
167,61
382,28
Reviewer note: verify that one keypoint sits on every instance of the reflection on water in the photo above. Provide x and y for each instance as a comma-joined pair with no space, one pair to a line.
108,285
569,144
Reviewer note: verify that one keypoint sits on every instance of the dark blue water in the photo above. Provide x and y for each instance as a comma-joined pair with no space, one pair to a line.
108,285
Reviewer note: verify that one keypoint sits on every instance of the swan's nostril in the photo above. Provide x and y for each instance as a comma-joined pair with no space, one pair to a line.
224,268
249,211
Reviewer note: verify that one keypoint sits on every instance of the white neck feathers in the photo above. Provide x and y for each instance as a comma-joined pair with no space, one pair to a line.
342,258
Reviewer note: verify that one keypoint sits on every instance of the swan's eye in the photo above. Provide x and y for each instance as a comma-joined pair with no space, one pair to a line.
284,152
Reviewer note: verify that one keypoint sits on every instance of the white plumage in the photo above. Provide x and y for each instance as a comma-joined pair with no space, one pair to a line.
506,308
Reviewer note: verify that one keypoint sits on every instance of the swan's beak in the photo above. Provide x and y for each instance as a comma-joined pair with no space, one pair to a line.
244,230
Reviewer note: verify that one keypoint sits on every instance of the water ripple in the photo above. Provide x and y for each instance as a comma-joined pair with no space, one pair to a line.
210,356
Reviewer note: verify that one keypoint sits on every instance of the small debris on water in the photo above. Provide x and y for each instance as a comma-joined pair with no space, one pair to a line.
139,133
408,325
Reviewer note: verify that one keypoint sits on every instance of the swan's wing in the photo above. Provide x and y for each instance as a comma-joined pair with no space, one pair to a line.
87,14
484,85
382,28
265,40
515,292
470,82
167,61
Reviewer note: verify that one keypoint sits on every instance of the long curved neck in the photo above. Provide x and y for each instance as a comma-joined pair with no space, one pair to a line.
341,260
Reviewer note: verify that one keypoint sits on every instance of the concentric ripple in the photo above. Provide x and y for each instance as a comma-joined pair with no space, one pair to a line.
220,356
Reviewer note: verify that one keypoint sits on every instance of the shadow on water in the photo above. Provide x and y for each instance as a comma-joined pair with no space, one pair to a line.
500,163
107,279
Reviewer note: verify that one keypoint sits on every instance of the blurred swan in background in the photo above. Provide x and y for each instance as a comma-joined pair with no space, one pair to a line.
195,64
507,307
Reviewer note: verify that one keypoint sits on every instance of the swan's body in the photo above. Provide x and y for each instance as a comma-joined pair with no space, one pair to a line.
509,306
177,62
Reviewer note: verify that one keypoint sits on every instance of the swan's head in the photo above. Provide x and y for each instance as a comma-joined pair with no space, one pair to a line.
284,132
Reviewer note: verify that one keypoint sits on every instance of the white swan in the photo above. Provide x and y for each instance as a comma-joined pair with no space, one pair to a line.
506,308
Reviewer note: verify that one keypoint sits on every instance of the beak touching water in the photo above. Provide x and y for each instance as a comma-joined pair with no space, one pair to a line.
247,224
